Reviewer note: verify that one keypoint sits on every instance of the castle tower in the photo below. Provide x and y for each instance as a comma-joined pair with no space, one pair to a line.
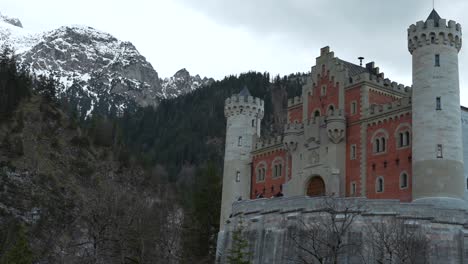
244,115
437,135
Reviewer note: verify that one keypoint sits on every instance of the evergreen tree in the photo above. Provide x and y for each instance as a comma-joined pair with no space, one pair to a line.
47,87
20,253
239,254
14,85
203,211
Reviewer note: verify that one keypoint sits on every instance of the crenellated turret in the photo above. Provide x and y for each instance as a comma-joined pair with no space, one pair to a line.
244,114
293,135
435,31
437,145
336,126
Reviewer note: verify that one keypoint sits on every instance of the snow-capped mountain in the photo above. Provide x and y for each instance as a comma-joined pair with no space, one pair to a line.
182,82
97,72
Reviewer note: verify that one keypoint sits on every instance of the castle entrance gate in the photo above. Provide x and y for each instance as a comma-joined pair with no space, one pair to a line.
316,186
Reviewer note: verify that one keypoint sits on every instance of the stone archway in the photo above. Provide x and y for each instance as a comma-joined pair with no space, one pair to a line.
316,187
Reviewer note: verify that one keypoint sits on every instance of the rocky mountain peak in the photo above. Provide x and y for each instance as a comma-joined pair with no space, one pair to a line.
97,72
12,21
182,82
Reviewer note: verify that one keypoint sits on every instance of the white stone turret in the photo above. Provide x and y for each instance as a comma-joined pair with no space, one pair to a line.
244,114
437,135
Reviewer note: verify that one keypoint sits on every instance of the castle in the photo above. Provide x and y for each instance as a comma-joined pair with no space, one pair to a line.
354,133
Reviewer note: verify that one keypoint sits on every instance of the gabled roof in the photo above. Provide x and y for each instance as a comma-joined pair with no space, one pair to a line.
434,16
353,69
245,92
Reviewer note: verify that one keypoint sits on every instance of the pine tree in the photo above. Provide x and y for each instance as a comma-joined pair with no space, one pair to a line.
239,254
20,253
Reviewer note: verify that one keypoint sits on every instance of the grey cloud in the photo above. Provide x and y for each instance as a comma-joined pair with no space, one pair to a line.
375,29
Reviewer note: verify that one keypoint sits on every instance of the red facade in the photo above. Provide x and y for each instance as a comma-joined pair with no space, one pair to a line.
274,164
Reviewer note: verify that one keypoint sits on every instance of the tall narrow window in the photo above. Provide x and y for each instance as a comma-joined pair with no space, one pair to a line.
379,185
239,142
353,152
331,110
403,181
439,151
353,189
377,145
238,176
438,103
437,60
324,90
253,122
353,108
383,146
407,137
280,170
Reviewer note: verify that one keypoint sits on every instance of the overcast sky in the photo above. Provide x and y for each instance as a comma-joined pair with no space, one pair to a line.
216,38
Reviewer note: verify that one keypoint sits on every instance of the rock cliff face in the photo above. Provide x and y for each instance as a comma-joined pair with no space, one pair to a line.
182,82
97,72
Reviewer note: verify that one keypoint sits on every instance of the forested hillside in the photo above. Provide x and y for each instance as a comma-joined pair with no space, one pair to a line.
144,187
74,194
190,130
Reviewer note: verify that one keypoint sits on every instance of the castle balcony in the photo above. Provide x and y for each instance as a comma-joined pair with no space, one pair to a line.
293,133
336,126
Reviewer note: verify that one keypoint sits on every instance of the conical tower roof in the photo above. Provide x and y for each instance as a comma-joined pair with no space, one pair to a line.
434,16
245,92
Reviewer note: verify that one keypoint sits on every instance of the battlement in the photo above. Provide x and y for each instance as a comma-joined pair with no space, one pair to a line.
434,33
269,142
294,101
244,105
337,114
293,128
375,110
384,83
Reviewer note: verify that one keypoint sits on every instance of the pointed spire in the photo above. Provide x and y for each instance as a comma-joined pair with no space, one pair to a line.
434,16
245,92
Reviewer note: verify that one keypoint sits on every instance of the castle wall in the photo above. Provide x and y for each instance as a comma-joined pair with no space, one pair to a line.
353,140
271,185
319,100
353,94
271,227
464,113
379,97
353,165
391,163
295,114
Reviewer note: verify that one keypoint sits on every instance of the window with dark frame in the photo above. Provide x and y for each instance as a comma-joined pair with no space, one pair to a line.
238,176
439,151
438,103
404,181
437,60
380,185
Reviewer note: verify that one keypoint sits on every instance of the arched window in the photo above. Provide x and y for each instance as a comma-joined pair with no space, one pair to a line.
331,110
253,122
379,140
403,135
239,142
238,176
317,113
383,145
403,180
277,167
379,185
260,169
377,145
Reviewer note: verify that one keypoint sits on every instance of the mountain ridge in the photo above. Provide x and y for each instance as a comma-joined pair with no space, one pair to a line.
96,71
